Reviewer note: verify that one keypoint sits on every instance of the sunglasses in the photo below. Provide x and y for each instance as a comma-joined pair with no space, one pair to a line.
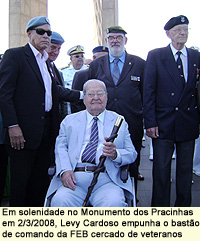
41,31
78,55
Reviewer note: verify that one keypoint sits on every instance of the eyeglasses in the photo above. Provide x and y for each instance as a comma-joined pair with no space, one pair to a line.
41,31
119,38
78,55
98,94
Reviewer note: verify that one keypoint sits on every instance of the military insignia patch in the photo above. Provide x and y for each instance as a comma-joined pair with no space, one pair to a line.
135,78
182,19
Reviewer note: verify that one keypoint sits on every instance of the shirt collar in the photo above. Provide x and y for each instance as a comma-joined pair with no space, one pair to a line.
183,50
121,58
37,53
100,117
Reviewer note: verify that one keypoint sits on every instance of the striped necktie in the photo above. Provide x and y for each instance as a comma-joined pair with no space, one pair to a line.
89,154
116,71
180,67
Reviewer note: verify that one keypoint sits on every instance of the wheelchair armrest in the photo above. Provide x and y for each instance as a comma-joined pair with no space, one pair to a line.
124,173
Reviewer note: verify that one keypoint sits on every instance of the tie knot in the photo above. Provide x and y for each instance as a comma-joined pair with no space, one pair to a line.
116,60
179,53
95,118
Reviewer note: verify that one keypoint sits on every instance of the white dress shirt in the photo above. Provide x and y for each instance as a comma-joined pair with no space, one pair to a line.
41,60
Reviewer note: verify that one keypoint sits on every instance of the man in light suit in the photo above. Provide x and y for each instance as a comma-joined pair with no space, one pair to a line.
29,100
170,112
70,183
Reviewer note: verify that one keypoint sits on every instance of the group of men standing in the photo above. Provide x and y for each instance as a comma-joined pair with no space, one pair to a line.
161,90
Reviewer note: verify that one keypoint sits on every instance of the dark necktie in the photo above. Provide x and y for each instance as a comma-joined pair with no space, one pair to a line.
89,153
53,71
116,71
180,67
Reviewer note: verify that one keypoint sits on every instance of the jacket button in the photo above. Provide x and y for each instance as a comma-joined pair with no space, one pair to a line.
172,94
188,108
176,108
115,99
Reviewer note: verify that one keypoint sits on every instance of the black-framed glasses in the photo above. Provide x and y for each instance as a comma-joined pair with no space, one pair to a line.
119,38
78,55
41,31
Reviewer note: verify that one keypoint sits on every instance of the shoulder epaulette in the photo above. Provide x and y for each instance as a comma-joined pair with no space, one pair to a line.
66,66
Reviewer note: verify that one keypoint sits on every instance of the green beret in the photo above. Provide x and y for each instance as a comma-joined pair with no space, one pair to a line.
37,21
176,21
115,29
75,50
56,38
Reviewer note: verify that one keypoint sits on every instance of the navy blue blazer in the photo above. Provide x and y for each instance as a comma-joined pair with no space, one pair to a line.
166,104
79,80
126,97
22,96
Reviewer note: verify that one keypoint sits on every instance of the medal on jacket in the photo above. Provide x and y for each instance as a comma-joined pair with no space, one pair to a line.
197,71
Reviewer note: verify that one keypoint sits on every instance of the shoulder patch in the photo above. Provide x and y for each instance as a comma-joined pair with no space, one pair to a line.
66,66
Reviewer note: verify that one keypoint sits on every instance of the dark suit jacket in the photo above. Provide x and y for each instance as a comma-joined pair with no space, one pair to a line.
166,104
58,76
22,96
79,80
198,91
126,97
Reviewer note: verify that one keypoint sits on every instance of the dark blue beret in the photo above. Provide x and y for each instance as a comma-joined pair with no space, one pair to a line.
37,21
99,49
176,21
115,29
56,38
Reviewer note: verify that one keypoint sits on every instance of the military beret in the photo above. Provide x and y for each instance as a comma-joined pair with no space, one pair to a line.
115,29
75,50
56,38
176,21
99,49
37,21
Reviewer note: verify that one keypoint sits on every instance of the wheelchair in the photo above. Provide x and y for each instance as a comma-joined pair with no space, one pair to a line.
123,175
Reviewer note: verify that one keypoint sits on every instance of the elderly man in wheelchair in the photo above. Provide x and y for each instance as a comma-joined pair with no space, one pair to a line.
82,139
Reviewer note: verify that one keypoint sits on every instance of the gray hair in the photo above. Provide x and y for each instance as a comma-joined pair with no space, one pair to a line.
93,81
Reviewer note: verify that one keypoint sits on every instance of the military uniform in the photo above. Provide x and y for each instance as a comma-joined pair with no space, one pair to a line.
69,71
68,74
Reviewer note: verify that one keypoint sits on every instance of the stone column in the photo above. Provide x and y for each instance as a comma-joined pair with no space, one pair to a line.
20,12
105,15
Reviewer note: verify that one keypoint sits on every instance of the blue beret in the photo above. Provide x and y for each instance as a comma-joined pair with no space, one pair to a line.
56,38
176,21
99,49
37,21
115,29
